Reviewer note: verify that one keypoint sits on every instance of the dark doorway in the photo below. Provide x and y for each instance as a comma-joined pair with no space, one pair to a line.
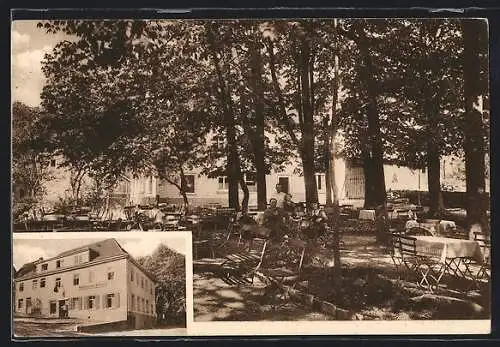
28,306
63,309
284,183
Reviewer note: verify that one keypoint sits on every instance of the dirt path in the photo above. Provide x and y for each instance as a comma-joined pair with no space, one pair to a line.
215,300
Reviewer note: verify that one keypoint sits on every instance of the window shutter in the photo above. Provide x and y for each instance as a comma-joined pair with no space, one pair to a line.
105,301
97,302
86,302
117,297
80,302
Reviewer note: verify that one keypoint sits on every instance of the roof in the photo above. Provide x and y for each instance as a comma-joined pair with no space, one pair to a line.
103,250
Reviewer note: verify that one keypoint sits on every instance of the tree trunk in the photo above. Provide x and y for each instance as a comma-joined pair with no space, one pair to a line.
246,194
258,138
227,109
434,180
370,199
377,151
474,145
307,152
183,184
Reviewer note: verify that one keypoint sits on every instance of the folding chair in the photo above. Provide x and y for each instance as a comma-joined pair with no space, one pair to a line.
244,264
484,271
427,269
292,257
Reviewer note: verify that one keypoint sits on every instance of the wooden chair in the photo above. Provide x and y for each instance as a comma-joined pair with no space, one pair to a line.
244,264
427,269
286,275
484,271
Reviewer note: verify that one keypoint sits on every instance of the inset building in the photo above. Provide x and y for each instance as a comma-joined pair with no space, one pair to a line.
100,283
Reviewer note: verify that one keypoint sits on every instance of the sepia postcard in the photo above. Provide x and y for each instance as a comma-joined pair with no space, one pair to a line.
333,176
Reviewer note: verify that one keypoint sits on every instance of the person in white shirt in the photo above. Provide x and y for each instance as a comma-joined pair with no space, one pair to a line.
280,196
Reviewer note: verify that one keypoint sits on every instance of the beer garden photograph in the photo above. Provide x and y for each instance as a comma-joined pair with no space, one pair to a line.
328,169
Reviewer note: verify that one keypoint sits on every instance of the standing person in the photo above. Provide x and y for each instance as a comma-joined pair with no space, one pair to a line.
279,196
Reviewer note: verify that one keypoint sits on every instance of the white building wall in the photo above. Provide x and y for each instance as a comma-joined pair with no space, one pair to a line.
135,290
96,284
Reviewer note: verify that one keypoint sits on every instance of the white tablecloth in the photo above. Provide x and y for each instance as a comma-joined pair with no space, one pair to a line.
448,248
367,214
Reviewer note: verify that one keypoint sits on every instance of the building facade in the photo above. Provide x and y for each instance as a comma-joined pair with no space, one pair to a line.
99,283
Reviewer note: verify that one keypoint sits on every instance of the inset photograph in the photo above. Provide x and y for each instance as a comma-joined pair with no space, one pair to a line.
101,284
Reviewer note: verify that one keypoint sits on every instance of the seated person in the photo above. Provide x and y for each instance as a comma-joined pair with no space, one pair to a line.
273,219
317,221
288,206
248,225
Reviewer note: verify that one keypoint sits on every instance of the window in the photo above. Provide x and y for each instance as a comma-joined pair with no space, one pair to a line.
34,284
152,311
221,142
250,178
320,181
223,183
58,282
91,302
91,276
45,267
138,304
132,275
133,302
53,163
42,282
53,307
150,185
151,289
143,305
147,306
75,304
142,282
76,279
59,263
111,275
19,304
285,184
21,286
188,185
79,259
110,298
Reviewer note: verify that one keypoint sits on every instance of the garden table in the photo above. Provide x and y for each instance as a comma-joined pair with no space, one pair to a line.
367,214
453,253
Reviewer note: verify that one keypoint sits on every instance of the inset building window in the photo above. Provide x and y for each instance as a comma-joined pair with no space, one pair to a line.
45,267
75,303
53,307
34,284
42,282
20,304
21,286
132,275
111,275
133,302
58,282
76,279
59,263
110,300
91,302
